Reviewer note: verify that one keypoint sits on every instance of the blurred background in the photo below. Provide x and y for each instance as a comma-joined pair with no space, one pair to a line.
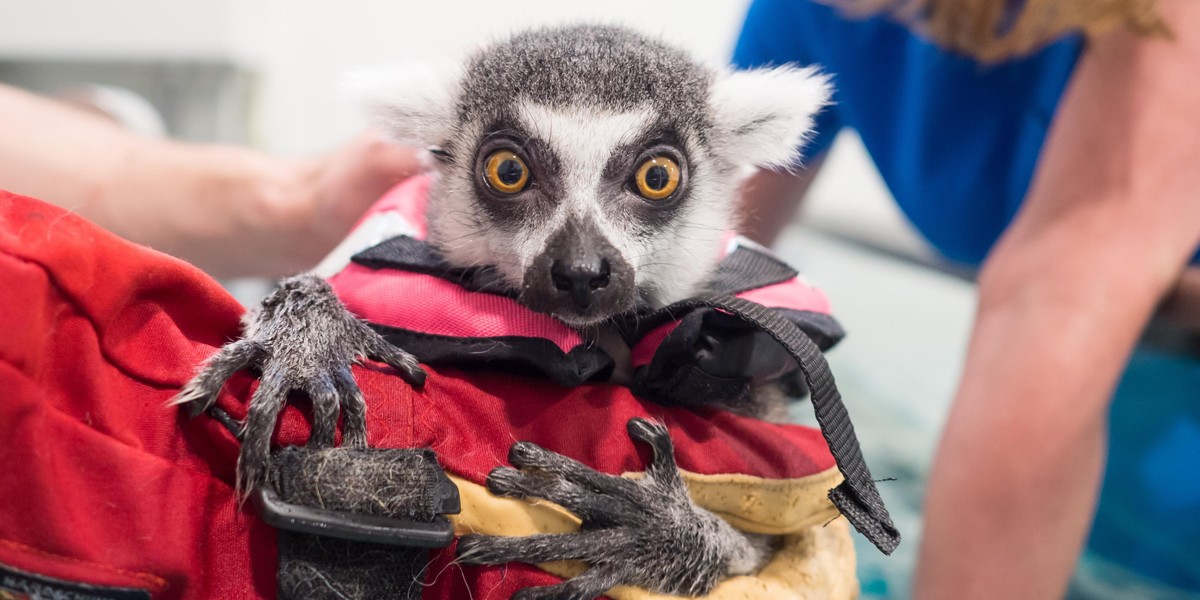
265,73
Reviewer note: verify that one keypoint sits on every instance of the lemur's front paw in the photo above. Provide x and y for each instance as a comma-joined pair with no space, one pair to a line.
642,532
302,338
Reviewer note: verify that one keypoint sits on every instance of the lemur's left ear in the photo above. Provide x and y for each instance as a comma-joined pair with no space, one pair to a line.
763,115
412,103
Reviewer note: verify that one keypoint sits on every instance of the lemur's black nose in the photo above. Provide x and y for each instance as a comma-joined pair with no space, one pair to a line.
580,280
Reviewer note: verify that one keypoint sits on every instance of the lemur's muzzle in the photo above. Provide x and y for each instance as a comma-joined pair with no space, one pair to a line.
579,276
580,280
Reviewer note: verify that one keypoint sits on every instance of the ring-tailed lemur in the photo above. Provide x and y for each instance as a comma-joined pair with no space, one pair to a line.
596,170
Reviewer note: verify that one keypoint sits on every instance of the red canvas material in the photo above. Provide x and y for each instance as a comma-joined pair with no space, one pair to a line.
102,483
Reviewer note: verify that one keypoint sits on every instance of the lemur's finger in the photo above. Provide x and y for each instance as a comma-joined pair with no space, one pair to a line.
354,409
474,549
590,584
527,455
201,392
595,509
662,467
261,416
381,350
324,409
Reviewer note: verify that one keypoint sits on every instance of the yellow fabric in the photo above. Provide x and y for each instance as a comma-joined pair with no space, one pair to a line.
814,561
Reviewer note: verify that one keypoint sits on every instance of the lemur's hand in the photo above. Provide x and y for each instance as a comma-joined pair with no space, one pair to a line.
641,532
302,338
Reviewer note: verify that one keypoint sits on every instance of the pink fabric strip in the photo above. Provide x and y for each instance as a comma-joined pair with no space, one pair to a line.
429,304
793,294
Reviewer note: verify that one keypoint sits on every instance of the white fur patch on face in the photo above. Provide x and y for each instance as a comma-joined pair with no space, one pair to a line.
669,260
668,265
583,138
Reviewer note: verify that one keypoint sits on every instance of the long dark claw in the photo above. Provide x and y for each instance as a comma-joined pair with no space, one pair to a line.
381,350
255,456
201,392
404,363
527,455
325,404
354,409
662,467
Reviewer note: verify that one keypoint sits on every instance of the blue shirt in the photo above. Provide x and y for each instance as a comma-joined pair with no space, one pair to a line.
955,140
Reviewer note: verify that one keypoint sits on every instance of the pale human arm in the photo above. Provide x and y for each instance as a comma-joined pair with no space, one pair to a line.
229,210
1111,219
770,200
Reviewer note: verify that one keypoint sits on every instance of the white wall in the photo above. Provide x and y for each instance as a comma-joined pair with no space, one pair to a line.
299,49
307,45
129,29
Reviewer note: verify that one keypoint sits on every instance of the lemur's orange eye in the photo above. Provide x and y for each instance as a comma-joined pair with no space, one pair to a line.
506,172
657,178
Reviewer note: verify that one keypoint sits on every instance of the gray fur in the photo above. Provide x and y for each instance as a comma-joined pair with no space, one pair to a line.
302,338
389,483
583,106
642,532
580,72
596,65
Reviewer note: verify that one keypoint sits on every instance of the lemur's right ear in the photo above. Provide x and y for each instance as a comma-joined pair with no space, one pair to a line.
412,103
762,116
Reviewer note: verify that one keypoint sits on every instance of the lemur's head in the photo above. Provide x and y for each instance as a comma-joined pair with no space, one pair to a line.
594,168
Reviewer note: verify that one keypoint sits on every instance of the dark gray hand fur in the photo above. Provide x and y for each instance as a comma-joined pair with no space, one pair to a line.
583,107
641,532
302,338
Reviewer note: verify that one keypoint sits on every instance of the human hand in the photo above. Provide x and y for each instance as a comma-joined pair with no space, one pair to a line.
325,197
236,212
229,210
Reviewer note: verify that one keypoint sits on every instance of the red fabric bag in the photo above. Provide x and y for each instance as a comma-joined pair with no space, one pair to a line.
103,485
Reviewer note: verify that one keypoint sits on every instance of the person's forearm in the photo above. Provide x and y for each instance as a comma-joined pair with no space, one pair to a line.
770,198
188,200
229,210
225,209
1112,217
56,152
1014,485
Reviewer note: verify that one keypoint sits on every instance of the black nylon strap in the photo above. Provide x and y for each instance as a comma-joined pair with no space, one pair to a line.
856,497
748,269
405,253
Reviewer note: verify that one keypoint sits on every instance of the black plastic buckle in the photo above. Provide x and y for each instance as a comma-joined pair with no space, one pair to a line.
360,528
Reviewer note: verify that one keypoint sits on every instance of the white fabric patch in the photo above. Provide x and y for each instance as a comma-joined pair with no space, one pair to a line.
377,228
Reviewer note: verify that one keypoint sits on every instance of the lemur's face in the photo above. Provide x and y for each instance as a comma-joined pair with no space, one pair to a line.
586,211
595,169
